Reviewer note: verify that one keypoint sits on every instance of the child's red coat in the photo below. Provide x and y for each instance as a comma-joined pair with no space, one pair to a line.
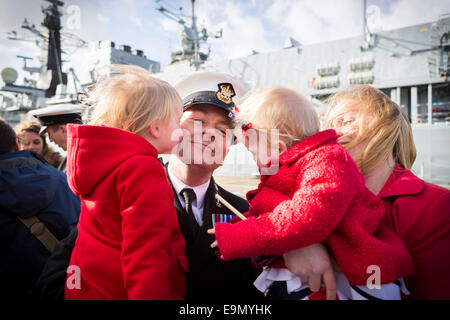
129,245
318,195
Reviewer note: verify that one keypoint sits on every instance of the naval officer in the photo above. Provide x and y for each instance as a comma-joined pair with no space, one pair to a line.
54,120
209,107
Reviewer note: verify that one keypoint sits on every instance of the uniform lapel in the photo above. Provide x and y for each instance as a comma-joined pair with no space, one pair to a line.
177,202
209,205
188,232
204,239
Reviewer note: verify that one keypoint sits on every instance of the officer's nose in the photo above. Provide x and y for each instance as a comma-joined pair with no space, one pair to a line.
209,134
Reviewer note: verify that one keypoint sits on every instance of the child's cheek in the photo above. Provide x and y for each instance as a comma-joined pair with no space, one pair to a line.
252,147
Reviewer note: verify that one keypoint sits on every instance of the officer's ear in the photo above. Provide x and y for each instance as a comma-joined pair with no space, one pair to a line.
154,129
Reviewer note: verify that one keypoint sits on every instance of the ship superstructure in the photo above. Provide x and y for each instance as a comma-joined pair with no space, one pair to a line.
409,64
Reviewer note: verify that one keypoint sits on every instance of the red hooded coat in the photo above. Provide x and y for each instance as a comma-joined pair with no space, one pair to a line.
318,195
129,244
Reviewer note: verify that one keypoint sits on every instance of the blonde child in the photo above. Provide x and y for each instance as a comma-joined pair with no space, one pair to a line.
316,194
129,245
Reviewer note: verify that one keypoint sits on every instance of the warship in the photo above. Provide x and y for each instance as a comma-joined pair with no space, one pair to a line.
410,64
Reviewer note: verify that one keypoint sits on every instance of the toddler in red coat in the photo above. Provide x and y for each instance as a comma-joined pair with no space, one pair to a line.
312,192
129,244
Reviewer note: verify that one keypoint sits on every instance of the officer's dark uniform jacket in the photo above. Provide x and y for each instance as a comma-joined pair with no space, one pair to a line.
208,279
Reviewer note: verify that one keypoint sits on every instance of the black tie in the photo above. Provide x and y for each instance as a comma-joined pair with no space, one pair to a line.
189,197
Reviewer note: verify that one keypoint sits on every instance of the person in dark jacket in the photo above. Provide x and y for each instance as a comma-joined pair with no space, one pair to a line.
29,187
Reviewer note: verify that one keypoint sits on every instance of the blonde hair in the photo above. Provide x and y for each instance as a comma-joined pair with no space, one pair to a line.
131,99
381,123
51,156
283,109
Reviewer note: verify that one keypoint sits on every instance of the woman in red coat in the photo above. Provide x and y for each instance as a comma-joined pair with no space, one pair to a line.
317,194
379,137
129,245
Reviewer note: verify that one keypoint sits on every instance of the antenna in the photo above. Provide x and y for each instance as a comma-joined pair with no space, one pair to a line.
31,70
190,36
364,17
369,38
52,41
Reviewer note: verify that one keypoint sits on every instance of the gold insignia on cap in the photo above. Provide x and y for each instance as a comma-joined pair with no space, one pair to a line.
225,92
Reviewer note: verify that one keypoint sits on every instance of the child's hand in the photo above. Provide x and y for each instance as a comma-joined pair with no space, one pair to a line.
215,244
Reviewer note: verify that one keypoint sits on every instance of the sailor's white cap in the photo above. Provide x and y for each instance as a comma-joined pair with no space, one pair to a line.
212,88
58,114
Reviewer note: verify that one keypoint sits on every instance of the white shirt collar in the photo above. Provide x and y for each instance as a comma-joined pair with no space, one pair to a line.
200,191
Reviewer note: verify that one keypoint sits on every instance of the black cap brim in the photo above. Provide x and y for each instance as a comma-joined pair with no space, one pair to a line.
209,98
60,119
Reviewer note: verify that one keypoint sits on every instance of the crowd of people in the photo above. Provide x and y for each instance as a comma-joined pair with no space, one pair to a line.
337,214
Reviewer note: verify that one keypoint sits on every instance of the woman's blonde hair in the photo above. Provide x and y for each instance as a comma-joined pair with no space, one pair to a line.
51,156
283,109
131,99
381,123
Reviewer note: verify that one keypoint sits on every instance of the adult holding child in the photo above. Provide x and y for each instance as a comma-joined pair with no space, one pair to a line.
378,135
315,192
206,120
130,102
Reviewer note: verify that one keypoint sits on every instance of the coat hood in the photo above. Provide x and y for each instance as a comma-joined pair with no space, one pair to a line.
95,151
27,183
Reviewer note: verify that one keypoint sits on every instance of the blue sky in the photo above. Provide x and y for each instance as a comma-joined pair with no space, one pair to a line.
261,25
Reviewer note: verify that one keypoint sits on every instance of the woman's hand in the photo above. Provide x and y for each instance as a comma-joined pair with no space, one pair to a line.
311,264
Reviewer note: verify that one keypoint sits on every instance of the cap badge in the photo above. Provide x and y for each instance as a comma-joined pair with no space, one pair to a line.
225,92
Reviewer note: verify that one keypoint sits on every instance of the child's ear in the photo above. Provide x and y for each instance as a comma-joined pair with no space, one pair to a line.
282,147
154,130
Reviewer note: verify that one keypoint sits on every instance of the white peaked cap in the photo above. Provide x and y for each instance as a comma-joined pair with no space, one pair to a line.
218,89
